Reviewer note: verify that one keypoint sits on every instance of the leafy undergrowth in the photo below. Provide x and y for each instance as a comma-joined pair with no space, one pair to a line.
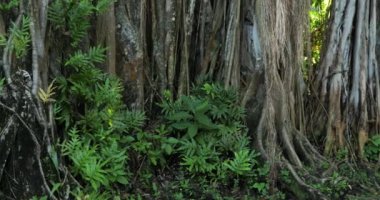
201,152
198,148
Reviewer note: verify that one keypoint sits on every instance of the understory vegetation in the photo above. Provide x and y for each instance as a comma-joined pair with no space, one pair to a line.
197,148
158,127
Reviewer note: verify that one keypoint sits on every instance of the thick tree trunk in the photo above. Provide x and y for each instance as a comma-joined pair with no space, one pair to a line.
22,172
280,134
26,122
255,46
130,19
348,79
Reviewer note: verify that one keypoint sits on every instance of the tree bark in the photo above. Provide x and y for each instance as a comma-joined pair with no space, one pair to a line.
347,78
254,46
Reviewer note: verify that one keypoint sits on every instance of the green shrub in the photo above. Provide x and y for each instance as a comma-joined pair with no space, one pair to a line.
212,144
335,187
9,5
21,40
372,148
72,17
99,126
211,132
156,145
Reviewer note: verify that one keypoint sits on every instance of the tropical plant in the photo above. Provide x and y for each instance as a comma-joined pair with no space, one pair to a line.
99,126
372,148
72,17
209,127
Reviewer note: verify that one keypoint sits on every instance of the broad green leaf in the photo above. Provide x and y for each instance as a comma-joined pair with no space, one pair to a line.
172,140
181,125
205,121
122,179
192,131
54,157
178,116
168,149
203,107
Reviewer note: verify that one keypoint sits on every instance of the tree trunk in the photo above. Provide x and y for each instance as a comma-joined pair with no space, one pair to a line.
254,46
348,78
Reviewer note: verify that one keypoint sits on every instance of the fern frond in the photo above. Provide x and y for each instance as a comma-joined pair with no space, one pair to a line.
46,97
11,4
103,5
57,13
80,59
3,40
22,38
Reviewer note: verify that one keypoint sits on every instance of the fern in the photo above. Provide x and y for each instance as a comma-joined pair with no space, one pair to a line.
73,17
211,132
242,163
7,6
103,5
46,96
80,59
57,13
22,39
98,148
3,40
2,82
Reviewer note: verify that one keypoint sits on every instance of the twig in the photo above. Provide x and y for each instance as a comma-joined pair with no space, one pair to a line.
139,169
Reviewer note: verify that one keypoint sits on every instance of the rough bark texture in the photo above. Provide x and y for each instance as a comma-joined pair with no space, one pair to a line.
21,172
255,46
106,36
347,79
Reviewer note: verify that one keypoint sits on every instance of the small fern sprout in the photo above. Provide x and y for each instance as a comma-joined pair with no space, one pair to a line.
46,96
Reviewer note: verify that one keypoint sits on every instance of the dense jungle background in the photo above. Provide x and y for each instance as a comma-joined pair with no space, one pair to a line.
196,99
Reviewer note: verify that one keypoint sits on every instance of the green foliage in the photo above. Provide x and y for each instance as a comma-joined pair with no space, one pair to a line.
334,187
92,195
21,37
39,198
342,154
203,133
285,176
209,126
89,164
372,148
7,6
318,18
242,163
72,17
156,145
98,124
212,144
318,15
3,40
258,181
2,82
